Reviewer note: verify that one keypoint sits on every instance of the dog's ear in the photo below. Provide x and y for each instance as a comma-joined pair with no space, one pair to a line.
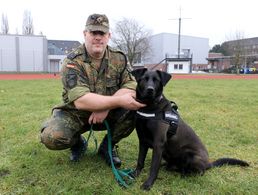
137,73
165,77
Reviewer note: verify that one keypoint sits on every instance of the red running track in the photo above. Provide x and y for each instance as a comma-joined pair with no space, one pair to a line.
28,76
174,76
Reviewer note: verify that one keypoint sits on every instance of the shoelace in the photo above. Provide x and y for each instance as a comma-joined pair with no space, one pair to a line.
115,151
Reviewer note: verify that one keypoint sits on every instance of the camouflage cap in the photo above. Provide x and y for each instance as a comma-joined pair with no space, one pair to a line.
97,22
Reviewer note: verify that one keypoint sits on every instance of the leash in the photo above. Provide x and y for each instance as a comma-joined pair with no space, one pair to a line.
95,139
122,176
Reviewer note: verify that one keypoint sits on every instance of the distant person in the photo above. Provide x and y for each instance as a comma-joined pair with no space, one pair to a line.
97,86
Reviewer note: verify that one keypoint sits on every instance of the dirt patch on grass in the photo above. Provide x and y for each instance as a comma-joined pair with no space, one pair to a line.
4,172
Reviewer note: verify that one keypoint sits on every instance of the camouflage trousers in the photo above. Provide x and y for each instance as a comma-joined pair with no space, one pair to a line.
64,127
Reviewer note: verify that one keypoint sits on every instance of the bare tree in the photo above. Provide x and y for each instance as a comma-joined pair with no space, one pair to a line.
5,25
131,38
236,49
27,26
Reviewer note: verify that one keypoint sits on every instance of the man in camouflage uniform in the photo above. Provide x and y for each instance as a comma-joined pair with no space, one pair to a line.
97,86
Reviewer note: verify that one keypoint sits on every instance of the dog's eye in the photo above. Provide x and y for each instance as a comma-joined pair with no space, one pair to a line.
146,78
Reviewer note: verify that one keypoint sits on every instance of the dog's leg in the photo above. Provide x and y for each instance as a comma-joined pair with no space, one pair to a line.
143,149
155,165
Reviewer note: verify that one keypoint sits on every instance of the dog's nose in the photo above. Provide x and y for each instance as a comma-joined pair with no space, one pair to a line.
150,90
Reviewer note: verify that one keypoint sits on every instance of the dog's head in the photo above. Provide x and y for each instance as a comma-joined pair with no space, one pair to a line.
150,84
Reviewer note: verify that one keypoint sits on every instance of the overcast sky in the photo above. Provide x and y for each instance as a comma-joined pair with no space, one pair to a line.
217,20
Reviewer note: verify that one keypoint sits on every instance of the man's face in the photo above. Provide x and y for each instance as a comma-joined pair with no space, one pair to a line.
96,42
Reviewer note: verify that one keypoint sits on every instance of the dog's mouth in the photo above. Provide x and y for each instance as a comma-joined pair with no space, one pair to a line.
143,100
148,99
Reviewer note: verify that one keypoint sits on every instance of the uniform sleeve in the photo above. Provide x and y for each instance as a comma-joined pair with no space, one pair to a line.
74,81
128,81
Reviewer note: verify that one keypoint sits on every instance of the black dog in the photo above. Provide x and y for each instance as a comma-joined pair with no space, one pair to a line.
160,127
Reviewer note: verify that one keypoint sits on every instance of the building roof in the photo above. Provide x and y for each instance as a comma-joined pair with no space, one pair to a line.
245,41
176,35
61,47
54,50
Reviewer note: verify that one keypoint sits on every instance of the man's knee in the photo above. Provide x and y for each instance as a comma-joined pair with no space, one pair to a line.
58,133
60,130
54,139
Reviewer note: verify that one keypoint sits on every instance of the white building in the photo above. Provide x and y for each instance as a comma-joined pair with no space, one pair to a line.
33,53
19,53
164,46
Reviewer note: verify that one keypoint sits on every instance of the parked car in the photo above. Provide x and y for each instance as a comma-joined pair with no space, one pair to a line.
248,71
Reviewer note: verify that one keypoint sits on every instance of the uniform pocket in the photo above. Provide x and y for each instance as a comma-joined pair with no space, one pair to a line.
112,86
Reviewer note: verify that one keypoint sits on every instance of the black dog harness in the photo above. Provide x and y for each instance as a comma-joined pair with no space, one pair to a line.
171,117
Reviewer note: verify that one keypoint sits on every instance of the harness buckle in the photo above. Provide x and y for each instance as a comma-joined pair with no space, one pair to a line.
172,118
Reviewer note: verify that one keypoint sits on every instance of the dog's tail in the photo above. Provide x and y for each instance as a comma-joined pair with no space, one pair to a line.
227,161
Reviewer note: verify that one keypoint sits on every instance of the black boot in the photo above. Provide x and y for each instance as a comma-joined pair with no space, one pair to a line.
103,152
78,150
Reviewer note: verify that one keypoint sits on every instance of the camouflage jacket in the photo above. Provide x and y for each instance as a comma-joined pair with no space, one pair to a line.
79,75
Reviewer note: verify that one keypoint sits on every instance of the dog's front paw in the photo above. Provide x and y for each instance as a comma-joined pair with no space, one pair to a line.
135,173
146,186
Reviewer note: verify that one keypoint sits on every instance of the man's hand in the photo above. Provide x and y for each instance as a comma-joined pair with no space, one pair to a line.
98,117
128,102
127,99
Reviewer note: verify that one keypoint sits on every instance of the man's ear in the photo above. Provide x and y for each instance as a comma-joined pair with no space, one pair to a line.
164,76
137,73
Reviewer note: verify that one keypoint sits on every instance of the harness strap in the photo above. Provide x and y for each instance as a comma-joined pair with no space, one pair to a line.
171,117
144,115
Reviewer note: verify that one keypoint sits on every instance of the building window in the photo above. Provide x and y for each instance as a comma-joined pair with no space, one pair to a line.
51,51
180,66
175,66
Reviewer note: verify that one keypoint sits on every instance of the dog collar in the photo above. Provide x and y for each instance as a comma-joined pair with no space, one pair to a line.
147,115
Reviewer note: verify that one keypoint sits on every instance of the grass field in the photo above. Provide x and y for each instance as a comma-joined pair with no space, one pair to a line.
224,113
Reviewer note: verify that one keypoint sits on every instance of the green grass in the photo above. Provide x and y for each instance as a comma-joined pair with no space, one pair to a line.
224,113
